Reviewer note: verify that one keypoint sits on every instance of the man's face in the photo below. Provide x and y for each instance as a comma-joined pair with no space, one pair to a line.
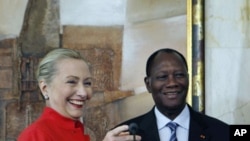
168,82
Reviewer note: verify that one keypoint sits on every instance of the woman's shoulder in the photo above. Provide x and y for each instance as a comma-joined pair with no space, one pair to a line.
35,131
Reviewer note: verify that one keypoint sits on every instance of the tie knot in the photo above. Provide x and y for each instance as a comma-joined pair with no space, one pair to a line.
172,126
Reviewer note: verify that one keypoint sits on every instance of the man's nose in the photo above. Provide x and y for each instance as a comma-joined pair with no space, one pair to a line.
171,81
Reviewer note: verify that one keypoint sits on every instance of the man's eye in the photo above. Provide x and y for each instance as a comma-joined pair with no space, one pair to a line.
162,77
180,75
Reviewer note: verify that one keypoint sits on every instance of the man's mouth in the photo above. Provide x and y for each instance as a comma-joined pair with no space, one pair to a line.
170,93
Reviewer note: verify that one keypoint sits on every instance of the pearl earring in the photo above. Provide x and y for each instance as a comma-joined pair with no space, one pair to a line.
46,97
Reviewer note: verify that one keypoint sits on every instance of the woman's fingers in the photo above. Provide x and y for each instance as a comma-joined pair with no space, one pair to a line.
120,134
119,130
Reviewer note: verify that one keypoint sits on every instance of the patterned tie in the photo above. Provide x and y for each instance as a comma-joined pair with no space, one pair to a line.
172,126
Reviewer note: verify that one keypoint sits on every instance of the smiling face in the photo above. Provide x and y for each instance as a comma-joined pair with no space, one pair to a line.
168,82
69,89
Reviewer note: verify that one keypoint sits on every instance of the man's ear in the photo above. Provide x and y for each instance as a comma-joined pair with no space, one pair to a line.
148,84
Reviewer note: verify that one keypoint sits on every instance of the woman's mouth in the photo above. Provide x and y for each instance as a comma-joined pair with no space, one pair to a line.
76,103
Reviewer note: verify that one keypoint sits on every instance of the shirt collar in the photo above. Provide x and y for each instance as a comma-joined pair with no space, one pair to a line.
183,119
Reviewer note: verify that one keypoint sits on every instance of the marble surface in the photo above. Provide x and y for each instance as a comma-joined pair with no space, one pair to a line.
227,84
227,66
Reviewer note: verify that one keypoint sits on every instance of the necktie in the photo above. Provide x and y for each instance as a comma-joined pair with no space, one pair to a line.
172,126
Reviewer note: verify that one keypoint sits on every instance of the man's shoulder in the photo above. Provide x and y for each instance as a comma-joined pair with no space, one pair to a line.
215,121
139,119
208,120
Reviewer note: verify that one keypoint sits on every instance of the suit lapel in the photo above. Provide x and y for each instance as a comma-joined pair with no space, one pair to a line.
149,127
197,130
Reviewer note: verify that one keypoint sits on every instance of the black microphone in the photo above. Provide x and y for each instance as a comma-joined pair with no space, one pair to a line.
133,127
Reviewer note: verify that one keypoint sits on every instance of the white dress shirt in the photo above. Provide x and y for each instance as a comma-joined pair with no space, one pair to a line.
183,120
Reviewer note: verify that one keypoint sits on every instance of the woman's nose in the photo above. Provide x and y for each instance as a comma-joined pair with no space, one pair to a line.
83,92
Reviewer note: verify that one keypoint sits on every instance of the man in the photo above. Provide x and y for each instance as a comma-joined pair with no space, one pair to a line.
167,80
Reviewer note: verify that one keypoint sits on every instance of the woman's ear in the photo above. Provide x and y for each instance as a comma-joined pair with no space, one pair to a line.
43,87
148,84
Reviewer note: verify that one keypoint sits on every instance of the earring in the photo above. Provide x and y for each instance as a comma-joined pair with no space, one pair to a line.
46,97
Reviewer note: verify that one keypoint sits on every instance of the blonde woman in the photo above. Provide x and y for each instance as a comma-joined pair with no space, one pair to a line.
65,81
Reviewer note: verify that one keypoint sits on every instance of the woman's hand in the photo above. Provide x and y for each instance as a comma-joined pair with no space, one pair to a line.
120,134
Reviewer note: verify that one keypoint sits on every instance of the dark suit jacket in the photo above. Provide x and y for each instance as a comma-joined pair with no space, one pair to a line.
202,127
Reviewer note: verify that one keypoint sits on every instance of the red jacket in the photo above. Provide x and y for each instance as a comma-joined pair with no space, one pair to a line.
51,126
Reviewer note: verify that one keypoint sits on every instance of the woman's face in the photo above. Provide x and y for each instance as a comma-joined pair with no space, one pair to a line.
71,86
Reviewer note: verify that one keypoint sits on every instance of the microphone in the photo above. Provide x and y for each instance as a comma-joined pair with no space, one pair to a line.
133,127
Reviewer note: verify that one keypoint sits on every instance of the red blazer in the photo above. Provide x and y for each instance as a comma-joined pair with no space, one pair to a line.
51,126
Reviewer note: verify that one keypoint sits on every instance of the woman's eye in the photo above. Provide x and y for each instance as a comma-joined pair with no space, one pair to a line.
88,83
71,81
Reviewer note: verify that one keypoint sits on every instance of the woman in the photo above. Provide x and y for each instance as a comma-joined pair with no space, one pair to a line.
65,81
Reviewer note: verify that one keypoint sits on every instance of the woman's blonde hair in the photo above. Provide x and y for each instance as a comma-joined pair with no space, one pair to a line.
47,66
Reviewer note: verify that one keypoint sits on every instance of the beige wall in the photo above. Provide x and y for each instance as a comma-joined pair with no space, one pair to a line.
11,13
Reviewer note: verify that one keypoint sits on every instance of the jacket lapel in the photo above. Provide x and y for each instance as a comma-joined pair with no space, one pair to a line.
149,128
197,130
